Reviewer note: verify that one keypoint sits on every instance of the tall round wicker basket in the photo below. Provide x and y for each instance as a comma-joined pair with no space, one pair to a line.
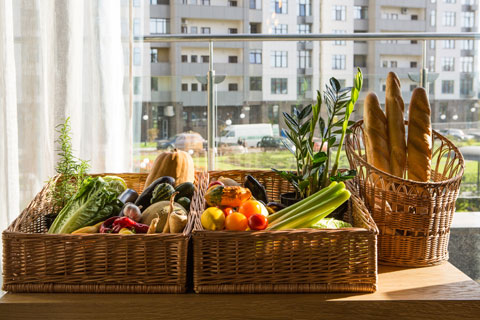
413,218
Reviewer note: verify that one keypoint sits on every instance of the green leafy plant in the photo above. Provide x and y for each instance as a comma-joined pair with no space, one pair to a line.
315,170
72,170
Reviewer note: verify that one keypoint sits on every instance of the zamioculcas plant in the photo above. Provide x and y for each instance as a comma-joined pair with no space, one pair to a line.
315,170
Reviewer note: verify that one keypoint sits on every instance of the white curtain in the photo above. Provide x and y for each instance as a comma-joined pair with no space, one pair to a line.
61,58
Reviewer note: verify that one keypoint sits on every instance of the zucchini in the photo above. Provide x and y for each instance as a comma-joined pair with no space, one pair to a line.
186,189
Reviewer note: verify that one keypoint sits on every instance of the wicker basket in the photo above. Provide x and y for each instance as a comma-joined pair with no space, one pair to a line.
304,260
414,218
34,261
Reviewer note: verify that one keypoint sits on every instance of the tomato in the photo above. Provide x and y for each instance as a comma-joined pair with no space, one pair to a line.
257,222
236,222
250,207
227,211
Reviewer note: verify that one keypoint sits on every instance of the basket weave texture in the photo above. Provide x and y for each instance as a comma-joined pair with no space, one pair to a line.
303,260
414,218
34,261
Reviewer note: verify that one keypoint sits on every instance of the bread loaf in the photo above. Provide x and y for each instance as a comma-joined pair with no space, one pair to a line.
375,134
419,142
394,109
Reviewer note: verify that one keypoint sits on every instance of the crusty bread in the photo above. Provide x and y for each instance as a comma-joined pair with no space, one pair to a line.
419,142
394,109
375,134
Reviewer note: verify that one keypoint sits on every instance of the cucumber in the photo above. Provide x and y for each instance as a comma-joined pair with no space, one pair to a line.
186,189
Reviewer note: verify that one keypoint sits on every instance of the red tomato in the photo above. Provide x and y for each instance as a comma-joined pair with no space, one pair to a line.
250,207
257,222
236,222
227,211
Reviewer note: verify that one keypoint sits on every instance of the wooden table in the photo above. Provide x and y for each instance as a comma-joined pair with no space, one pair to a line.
440,292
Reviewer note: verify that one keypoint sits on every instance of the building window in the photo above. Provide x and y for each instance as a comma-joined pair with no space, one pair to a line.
432,44
137,56
279,59
279,85
255,27
158,25
205,2
338,62
384,64
193,30
154,83
232,3
339,13
137,84
467,44
233,87
431,64
466,86
279,6
194,87
448,19
184,29
280,29
205,59
360,12
304,28
184,58
413,64
304,8
304,85
384,87
154,55
393,64
203,87
255,4
304,59
232,59
468,19
412,87
449,1
193,58
448,64
433,18
466,64
448,44
232,30
339,42
447,86
136,27
206,30
255,83
256,56
360,60
184,86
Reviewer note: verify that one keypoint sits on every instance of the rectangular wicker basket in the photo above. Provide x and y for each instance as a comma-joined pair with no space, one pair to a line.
304,260
34,261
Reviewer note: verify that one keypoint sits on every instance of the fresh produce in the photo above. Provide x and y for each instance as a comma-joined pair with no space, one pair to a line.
185,190
163,191
128,195
331,223
256,188
227,211
307,212
125,231
96,200
227,196
160,210
90,229
131,211
184,202
273,207
177,222
257,222
213,219
236,222
153,226
144,199
215,183
177,164
115,224
228,182
250,207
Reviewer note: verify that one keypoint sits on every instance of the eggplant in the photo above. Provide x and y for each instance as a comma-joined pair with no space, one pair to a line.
144,199
273,207
256,188
128,195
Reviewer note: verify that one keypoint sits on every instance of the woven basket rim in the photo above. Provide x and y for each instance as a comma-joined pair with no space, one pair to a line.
348,142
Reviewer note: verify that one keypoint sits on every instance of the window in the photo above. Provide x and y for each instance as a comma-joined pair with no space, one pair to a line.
413,64
255,27
338,62
158,25
390,16
449,1
279,6
448,64
467,44
412,87
194,87
413,41
205,2
448,44
447,86
393,64
304,59
360,12
206,30
339,42
468,19
232,59
184,29
466,86
431,64
304,85
232,3
256,56
449,19
255,4
280,29
232,30
136,27
137,57
279,59
433,18
432,44
233,87
203,87
205,59
304,8
466,64
384,64
137,84
184,58
154,83
304,28
193,30
360,61
193,58
339,13
255,83
279,86
414,17
384,87
184,86
154,55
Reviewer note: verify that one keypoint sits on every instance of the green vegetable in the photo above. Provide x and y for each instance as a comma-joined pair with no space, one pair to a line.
186,189
162,192
184,202
331,223
95,201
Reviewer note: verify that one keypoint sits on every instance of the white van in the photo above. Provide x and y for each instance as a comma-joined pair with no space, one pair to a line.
251,133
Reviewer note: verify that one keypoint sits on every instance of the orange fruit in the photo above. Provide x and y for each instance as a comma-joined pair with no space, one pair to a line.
250,207
236,222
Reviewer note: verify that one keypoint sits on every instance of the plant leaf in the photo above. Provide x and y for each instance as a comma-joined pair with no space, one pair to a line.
335,84
305,112
342,176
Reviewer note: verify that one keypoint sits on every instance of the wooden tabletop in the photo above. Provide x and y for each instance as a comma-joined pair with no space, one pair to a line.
440,292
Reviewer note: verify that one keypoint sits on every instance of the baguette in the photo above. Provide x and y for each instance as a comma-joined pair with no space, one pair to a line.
375,134
394,109
419,143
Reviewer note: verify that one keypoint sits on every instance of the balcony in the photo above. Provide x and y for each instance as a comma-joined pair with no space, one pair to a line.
360,24
360,48
401,25
192,69
221,12
304,19
404,3
401,72
400,49
160,69
161,96
160,11
199,98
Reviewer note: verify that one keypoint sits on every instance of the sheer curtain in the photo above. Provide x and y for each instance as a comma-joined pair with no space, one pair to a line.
63,58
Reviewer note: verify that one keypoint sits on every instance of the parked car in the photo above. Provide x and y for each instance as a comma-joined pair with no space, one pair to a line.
186,141
456,134
249,134
271,142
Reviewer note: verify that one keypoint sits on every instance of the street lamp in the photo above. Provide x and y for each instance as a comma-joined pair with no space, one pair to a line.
455,117
145,117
